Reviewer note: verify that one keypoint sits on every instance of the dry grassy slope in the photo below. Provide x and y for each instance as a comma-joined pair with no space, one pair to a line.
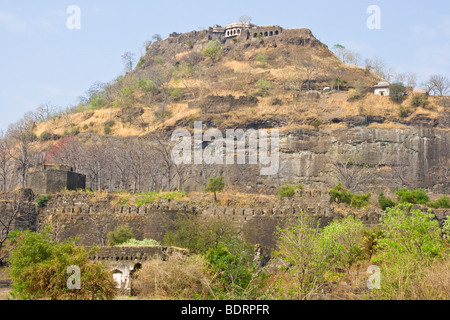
237,74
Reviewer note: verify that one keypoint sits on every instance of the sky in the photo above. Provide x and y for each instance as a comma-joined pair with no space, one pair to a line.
43,61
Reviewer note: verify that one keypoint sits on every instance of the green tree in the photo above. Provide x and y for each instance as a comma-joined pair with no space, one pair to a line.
120,235
385,202
298,245
238,273
341,241
397,92
288,190
215,185
213,50
38,267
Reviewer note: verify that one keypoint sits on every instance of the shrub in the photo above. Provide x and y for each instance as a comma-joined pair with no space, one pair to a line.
199,235
38,267
120,235
385,202
107,130
42,200
397,92
411,244
262,58
239,275
371,237
288,190
316,123
417,196
45,136
264,87
341,242
404,112
298,245
420,100
180,277
215,185
213,50
340,194
442,202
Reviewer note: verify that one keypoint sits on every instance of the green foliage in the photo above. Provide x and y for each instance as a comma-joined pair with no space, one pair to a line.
288,190
409,231
316,123
420,100
107,127
262,58
341,242
42,200
298,245
38,267
446,227
96,101
120,235
442,202
199,235
264,87
370,241
397,92
410,244
140,63
175,94
141,243
213,50
404,112
238,274
215,185
385,202
45,136
417,196
340,194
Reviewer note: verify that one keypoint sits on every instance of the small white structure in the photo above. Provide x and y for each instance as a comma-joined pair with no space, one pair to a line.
235,29
382,89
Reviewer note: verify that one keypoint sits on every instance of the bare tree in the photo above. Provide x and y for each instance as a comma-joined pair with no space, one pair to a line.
348,169
438,84
245,19
129,59
156,37
378,66
19,145
304,65
12,216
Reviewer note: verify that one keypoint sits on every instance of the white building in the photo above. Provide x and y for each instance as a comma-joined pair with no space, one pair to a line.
382,88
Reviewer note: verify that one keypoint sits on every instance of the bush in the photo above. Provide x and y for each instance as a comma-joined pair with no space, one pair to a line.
397,92
180,277
45,136
213,50
385,202
340,194
262,58
404,112
264,87
341,242
239,275
411,243
288,190
199,234
371,237
38,267
42,200
420,100
417,196
120,235
442,202
298,245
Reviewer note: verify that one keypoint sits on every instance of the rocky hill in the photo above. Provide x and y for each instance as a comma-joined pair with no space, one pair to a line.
258,81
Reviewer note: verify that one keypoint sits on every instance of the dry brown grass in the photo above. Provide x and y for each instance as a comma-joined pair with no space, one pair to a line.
180,277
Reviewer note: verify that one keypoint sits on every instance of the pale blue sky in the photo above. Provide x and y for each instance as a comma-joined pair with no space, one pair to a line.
42,61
